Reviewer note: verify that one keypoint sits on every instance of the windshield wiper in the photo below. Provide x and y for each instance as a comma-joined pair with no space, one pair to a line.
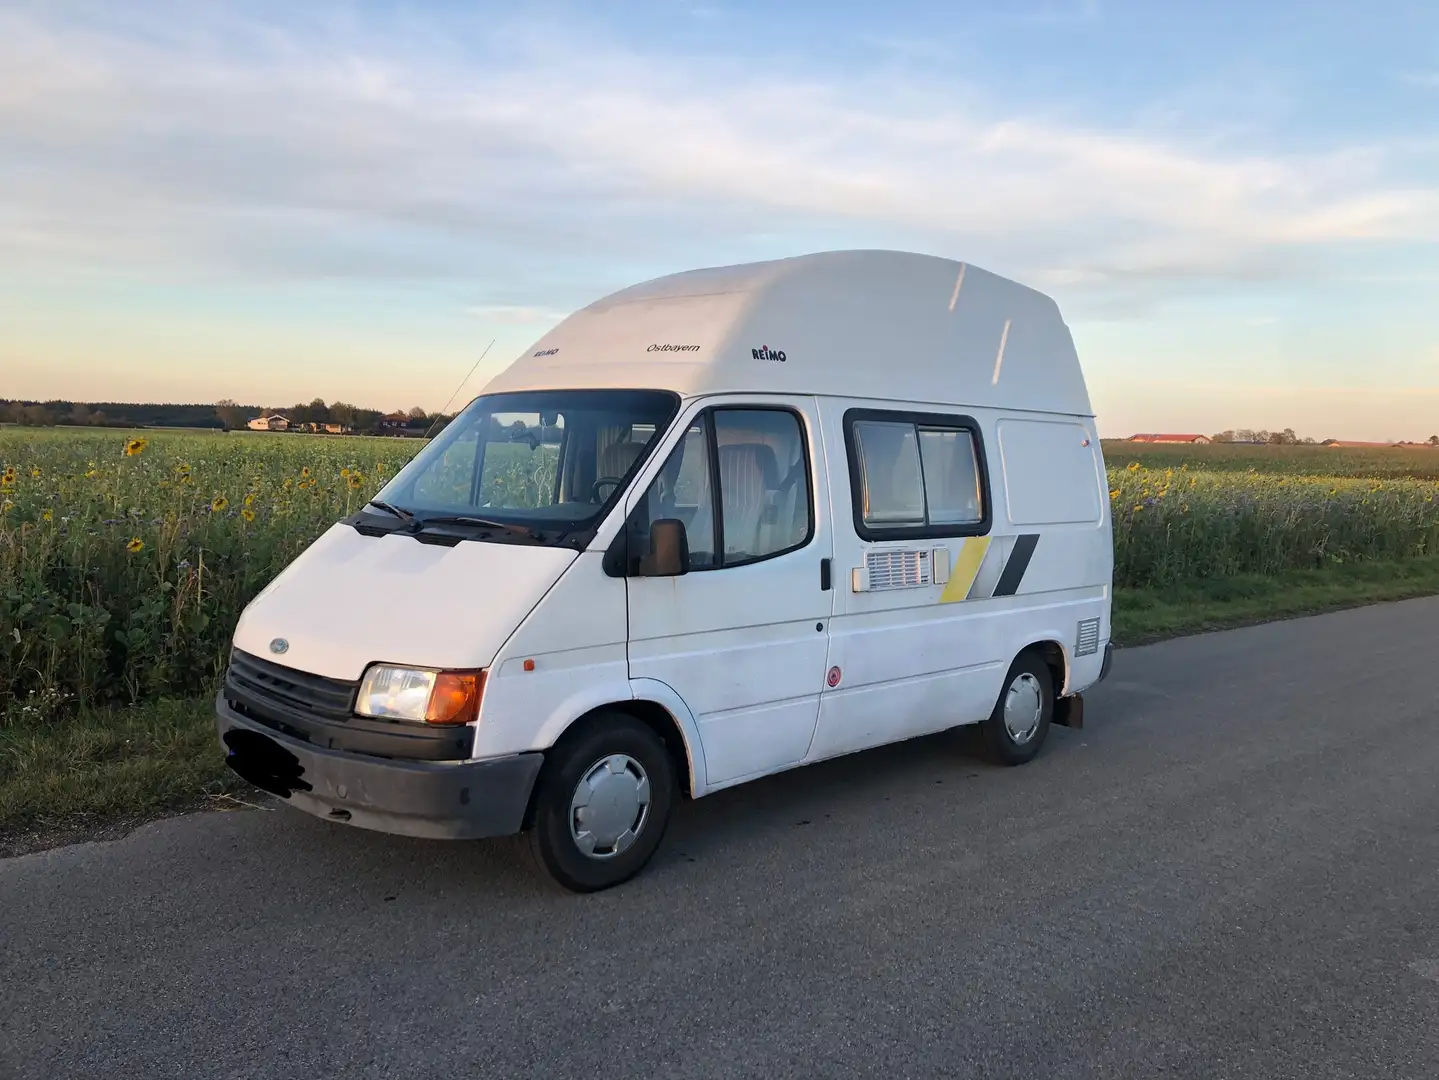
484,523
403,515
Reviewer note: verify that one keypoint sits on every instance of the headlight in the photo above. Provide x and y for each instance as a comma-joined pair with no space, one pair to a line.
417,694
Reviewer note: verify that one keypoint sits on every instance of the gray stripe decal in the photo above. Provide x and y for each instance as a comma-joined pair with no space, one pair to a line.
1018,562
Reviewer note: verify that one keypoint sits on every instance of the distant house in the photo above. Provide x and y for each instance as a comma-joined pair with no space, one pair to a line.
1150,438
394,420
275,422
1349,444
322,428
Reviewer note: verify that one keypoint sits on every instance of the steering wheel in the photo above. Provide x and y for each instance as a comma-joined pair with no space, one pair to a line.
595,487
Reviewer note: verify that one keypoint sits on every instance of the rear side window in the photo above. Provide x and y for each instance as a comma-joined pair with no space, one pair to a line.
916,475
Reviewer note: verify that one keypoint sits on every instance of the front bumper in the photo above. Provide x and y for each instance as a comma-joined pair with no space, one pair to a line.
440,800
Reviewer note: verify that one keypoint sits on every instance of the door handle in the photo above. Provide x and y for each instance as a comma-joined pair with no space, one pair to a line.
824,582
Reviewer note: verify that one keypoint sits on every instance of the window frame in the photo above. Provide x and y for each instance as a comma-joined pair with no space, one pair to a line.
918,420
706,417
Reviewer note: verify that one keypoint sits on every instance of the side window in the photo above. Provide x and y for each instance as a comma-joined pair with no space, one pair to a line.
764,507
764,483
916,476
683,490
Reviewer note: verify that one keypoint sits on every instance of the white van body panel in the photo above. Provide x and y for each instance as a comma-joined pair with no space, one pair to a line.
1049,472
348,601
575,638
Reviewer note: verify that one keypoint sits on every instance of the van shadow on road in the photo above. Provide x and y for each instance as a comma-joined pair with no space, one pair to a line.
895,788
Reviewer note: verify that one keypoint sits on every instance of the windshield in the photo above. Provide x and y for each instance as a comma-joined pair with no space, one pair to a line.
543,460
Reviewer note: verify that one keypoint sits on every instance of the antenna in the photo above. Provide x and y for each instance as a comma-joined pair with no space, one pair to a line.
466,379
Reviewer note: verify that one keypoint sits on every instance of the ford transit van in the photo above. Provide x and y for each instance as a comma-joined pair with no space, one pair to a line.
711,527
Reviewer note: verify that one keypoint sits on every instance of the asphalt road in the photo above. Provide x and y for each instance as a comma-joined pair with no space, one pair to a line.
1233,870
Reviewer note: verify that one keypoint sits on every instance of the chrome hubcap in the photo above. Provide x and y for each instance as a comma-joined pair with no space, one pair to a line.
610,806
1023,708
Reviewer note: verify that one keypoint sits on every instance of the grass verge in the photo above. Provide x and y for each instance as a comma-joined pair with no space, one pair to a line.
1142,616
102,772
105,771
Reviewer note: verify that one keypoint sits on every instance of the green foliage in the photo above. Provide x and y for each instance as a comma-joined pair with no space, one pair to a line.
122,575
1178,525
1374,463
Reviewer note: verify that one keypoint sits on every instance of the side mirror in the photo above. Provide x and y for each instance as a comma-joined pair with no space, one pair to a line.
669,554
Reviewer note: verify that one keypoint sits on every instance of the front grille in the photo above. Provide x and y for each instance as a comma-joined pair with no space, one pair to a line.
259,683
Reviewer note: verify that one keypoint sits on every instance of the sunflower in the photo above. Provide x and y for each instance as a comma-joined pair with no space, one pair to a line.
305,473
220,504
250,499
345,473
248,515
9,476
135,545
135,447
47,515
356,481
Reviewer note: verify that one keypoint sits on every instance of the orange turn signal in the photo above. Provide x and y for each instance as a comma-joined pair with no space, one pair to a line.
455,698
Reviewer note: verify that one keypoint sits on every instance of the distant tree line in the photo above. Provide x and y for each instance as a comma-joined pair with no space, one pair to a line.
224,415
1272,438
1279,438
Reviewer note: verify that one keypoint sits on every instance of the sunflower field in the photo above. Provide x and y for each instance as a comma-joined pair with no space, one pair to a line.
125,560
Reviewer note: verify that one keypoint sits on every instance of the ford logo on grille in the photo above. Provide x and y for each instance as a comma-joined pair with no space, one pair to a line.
279,645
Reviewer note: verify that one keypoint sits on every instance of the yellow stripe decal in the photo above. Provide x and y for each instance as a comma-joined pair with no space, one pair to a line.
965,569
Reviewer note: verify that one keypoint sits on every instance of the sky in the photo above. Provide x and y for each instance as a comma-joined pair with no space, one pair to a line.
1236,205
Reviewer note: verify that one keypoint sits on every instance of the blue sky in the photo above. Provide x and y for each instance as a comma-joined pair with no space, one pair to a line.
1236,205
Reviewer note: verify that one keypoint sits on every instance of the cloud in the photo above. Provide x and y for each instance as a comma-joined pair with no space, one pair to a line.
1062,14
515,315
181,147
1429,80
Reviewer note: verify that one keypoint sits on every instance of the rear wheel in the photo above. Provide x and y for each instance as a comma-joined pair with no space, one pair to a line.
1016,729
602,804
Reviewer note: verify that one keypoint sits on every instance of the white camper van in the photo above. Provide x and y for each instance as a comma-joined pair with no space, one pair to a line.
709,528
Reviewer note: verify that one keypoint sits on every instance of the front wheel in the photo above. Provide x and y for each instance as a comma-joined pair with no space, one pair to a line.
1016,729
603,803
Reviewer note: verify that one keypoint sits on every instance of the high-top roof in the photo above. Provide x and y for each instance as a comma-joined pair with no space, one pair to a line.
871,324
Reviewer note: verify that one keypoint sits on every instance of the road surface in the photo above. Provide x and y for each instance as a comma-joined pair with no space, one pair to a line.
1233,871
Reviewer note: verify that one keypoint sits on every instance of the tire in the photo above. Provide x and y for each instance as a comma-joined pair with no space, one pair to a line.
1028,676
609,756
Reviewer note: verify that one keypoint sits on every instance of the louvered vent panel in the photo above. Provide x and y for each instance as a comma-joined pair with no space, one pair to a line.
1086,642
898,569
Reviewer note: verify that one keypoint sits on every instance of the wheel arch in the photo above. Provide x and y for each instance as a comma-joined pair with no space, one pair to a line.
1056,658
659,708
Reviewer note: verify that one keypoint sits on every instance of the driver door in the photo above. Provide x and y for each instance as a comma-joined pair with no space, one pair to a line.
742,637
